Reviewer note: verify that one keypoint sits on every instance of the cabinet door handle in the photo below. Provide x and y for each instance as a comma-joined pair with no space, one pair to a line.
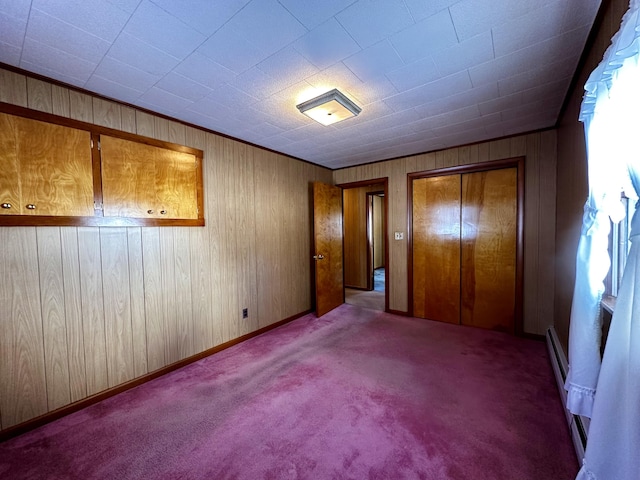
163,212
6,205
31,206
150,212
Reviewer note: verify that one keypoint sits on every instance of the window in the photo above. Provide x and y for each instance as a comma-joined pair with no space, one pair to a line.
619,246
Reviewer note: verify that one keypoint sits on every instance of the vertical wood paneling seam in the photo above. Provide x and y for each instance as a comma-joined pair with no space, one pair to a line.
44,348
131,329
104,323
64,309
82,323
144,303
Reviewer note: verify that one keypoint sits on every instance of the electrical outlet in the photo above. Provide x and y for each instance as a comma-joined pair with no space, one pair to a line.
245,313
399,235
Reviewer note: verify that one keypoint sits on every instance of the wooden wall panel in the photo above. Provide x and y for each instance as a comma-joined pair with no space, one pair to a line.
540,164
22,365
136,298
39,95
73,312
106,305
156,335
95,350
13,88
117,305
53,316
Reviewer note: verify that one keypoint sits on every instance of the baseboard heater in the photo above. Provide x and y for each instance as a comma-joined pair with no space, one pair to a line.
578,425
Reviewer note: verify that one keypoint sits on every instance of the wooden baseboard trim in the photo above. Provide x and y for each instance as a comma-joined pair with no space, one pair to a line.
49,417
398,312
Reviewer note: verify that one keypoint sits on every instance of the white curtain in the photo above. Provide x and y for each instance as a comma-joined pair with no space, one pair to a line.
607,120
609,393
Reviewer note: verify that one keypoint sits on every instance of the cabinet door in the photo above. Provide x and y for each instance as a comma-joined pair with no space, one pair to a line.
489,233
436,248
145,181
128,178
49,169
10,177
176,180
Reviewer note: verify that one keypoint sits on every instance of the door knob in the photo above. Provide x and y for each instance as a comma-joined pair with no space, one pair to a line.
318,257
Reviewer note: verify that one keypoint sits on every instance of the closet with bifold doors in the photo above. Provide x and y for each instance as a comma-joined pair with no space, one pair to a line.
466,245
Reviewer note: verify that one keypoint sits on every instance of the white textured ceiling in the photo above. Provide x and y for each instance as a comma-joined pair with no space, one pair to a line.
428,74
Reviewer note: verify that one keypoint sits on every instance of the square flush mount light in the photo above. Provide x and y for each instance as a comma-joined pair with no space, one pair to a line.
330,107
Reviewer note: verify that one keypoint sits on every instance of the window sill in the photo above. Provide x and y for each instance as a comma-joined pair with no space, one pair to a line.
608,303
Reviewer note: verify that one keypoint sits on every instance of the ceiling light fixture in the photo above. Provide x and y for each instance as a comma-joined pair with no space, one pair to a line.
330,107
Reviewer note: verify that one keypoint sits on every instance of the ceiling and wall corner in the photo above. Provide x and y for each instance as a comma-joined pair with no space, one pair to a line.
428,75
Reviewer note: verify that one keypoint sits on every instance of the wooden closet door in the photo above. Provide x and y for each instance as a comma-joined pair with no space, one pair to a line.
488,250
436,248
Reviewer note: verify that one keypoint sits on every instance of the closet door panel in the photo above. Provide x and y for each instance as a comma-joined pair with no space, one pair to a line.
436,248
488,249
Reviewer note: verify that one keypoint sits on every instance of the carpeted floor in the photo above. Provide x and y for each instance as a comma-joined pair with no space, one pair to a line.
369,298
357,394
365,298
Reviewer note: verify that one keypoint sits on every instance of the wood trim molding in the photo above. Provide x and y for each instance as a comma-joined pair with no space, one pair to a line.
398,312
385,182
49,417
518,163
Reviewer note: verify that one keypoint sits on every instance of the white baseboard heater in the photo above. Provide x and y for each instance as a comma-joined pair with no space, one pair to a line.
578,425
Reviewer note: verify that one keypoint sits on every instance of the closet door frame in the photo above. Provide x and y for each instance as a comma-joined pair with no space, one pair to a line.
516,162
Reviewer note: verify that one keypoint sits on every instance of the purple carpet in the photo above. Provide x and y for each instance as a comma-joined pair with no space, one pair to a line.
357,394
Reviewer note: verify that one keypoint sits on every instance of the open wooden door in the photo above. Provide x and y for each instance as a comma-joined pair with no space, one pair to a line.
327,232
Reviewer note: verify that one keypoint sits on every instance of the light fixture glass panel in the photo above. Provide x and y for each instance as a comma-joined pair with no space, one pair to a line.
328,113
329,108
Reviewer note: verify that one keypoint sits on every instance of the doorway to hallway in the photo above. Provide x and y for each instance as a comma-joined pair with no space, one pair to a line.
365,243
373,299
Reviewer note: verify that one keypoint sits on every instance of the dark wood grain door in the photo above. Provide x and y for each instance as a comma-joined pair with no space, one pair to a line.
327,228
488,249
436,248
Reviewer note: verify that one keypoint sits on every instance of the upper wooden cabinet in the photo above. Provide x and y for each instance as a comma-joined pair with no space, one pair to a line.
57,171
146,181
46,168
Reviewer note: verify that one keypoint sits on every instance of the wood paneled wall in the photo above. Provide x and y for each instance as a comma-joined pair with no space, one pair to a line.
85,309
355,234
572,171
378,233
540,205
